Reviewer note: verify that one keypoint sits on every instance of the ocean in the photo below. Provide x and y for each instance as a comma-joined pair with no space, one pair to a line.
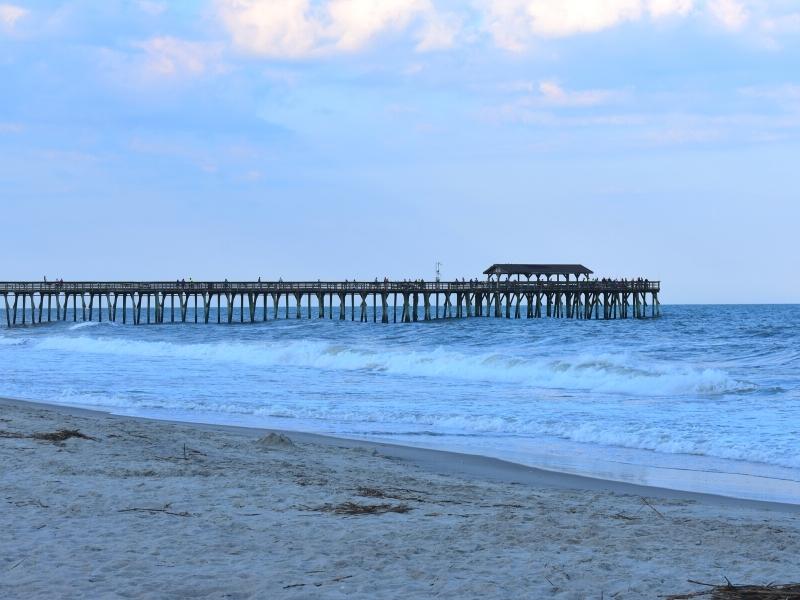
706,398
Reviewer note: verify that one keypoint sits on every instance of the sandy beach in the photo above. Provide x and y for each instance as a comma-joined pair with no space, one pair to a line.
149,509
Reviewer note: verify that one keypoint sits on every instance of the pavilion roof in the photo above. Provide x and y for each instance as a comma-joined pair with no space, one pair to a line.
539,269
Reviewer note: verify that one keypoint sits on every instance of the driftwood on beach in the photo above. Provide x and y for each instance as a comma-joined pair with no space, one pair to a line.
789,591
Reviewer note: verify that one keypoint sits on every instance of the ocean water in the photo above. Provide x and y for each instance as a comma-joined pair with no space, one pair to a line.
706,398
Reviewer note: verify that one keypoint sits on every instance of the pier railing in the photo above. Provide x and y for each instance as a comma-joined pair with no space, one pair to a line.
441,287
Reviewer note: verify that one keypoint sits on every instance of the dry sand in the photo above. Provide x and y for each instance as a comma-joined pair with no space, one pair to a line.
151,509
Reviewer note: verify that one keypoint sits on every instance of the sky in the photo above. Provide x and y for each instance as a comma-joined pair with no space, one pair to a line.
335,139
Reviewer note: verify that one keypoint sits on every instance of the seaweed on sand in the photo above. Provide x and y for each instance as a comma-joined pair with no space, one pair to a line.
61,435
353,508
789,591
49,436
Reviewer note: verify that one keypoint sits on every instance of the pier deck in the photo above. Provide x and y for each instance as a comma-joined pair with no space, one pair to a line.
29,302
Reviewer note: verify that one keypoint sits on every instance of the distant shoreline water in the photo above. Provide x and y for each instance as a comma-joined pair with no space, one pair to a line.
706,388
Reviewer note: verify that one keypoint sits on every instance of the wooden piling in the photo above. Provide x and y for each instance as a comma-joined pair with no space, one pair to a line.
8,315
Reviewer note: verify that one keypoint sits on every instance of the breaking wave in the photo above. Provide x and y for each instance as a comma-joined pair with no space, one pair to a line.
604,373
85,325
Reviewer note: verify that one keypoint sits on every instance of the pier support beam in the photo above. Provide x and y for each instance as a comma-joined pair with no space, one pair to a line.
321,305
251,306
406,318
276,298
343,307
298,303
363,315
183,298
206,307
384,307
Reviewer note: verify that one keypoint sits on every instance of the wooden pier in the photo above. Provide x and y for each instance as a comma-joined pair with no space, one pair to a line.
558,291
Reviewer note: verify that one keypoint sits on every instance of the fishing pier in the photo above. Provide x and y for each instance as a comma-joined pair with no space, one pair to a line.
557,291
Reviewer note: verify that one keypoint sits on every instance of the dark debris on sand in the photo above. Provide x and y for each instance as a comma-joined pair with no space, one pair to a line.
61,435
789,591
353,508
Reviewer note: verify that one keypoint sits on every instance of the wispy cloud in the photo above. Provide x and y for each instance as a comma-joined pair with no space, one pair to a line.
731,14
660,9
513,23
569,17
10,14
151,7
679,135
439,32
780,24
298,29
516,25
174,57
552,94
787,95
741,127
10,127
540,104
773,28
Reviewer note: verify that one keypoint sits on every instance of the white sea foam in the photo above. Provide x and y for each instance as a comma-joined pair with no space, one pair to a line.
654,437
671,441
407,419
603,373
84,325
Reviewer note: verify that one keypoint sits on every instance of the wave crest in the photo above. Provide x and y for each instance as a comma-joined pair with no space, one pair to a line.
606,373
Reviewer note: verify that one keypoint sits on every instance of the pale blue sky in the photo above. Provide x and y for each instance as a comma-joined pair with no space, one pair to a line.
356,138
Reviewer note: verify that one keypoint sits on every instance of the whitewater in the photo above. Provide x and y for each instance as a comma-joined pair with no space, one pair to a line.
705,398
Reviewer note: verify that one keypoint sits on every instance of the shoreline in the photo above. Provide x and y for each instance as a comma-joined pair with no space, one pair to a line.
452,463
136,507
664,423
